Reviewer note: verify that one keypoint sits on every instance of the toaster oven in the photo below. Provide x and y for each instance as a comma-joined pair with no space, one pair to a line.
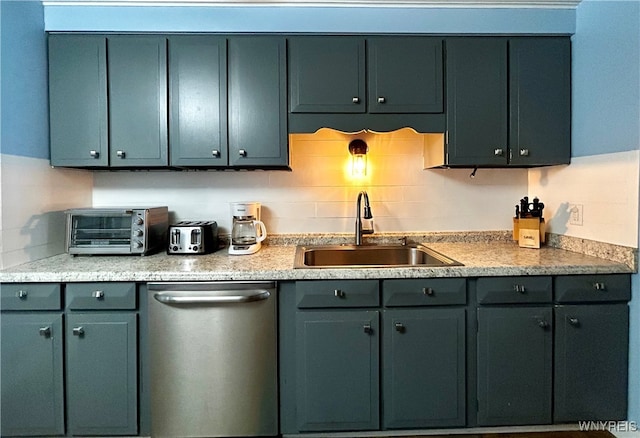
98,231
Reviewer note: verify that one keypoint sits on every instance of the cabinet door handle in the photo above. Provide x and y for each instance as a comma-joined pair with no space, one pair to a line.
543,324
498,152
381,99
399,327
215,153
519,288
45,331
94,154
98,294
338,293
367,329
355,100
428,291
78,331
120,154
242,152
599,286
22,294
574,321
524,152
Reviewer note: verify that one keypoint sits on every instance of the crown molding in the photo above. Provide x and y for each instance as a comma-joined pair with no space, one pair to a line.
495,4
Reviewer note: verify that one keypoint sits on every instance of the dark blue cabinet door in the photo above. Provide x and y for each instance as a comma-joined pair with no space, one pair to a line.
137,72
257,101
327,74
477,101
102,388
424,368
591,362
540,101
514,365
404,74
32,374
198,96
78,100
337,355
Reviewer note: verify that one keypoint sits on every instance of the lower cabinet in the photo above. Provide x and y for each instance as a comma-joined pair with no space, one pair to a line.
101,359
337,361
69,359
515,350
360,366
32,374
591,345
424,368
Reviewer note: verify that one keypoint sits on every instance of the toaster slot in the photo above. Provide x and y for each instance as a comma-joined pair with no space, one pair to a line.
175,236
195,236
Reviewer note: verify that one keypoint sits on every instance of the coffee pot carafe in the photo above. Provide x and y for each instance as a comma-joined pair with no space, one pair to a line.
247,231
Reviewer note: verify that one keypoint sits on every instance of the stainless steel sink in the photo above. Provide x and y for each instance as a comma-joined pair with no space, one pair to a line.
374,256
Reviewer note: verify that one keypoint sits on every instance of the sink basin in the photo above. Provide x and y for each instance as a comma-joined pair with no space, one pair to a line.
374,256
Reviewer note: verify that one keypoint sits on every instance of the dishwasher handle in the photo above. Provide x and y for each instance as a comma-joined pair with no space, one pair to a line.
212,297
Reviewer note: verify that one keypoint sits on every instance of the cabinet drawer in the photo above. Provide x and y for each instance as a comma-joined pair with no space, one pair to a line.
98,296
580,288
506,290
337,293
31,296
428,292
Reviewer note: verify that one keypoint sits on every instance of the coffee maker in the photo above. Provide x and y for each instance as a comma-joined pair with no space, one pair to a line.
247,231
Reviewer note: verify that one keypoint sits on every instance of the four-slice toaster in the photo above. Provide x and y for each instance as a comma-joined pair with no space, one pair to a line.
193,237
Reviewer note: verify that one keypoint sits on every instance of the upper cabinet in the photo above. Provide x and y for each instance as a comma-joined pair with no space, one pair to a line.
257,101
351,83
147,101
508,102
327,74
198,96
78,100
137,77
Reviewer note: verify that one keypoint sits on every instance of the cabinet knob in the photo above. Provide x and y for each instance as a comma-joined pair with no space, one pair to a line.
574,321
22,294
94,154
45,331
356,100
519,288
543,324
399,327
428,291
98,294
338,293
78,331
367,329
215,153
121,154
242,152
524,152
499,152
381,99
599,286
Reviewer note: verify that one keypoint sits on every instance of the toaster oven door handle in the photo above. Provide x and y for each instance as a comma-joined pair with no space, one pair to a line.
213,297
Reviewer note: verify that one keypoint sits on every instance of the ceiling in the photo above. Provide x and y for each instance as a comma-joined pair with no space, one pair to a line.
544,4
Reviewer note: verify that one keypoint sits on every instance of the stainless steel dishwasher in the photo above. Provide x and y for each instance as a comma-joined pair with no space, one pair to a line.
213,359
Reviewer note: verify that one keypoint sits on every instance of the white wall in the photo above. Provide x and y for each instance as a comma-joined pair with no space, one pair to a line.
605,185
34,197
319,196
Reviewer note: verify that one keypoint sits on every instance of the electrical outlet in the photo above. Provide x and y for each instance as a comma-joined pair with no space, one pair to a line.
575,214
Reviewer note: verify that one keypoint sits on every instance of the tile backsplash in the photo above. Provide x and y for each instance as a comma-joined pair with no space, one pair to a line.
319,195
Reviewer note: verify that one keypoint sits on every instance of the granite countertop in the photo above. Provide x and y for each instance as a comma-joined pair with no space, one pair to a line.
480,254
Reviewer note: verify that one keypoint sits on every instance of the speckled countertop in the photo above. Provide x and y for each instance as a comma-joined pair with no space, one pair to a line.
482,254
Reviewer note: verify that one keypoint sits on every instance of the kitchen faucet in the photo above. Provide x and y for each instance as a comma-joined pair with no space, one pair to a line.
367,215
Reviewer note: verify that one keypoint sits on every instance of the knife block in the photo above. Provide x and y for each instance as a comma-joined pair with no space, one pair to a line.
530,232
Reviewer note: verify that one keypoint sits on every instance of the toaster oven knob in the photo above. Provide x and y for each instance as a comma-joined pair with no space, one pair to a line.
138,233
138,221
137,244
